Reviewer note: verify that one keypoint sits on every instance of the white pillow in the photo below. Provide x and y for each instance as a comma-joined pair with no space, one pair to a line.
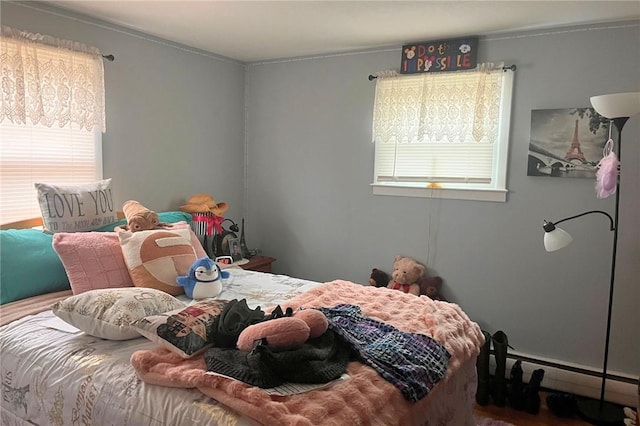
76,208
108,313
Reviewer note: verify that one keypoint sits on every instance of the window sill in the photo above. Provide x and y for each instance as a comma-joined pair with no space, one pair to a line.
474,194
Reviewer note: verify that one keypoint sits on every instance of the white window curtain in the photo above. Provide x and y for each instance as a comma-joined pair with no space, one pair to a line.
51,81
52,114
439,128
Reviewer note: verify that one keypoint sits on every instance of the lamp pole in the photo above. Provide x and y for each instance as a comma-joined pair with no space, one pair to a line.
605,413
619,123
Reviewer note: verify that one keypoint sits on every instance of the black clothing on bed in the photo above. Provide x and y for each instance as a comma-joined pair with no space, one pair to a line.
318,360
235,317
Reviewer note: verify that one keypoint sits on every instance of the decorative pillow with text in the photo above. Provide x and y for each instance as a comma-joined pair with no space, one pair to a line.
76,208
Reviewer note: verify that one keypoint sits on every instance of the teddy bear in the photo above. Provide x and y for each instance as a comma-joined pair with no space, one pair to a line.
378,278
406,275
430,287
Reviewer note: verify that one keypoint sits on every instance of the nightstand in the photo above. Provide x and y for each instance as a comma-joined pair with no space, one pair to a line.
259,264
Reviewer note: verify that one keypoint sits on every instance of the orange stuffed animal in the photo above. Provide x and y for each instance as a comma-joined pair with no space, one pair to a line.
140,218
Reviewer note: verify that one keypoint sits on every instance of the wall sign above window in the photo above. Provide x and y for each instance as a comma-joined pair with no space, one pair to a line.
439,55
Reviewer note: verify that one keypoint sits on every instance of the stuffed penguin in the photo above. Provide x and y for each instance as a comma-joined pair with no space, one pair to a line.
203,279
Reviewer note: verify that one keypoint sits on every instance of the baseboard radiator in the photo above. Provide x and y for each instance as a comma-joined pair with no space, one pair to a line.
576,379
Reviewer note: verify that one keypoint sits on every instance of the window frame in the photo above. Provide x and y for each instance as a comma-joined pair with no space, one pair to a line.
496,191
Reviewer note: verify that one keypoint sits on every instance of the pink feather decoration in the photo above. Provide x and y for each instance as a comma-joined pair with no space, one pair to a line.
607,174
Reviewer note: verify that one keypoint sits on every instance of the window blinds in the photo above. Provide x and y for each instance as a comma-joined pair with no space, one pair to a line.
30,154
441,127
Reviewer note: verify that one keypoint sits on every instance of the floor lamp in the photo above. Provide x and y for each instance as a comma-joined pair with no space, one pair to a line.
617,107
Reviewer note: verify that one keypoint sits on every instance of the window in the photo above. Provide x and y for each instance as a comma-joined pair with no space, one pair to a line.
51,118
443,135
30,154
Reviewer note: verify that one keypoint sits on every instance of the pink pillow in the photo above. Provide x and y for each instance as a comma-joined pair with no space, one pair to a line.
93,260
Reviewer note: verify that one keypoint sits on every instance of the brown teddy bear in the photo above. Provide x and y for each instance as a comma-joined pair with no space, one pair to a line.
378,278
406,275
429,286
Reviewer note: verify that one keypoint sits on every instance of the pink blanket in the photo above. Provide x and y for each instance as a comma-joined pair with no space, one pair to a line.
366,398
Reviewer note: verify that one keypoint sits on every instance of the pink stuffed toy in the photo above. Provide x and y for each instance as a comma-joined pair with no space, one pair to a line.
316,320
607,174
285,331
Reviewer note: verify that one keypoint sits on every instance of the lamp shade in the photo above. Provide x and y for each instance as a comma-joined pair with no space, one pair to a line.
617,105
556,239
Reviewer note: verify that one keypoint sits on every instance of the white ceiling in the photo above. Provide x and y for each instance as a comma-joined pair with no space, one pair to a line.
251,31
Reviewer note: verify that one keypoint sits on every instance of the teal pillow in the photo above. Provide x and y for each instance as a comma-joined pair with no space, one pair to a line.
28,265
166,217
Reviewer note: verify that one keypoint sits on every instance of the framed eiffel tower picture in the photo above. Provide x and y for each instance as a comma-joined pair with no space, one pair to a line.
566,142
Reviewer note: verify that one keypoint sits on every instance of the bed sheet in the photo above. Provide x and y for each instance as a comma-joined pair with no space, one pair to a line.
50,377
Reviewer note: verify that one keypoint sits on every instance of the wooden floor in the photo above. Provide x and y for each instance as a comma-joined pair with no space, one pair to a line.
522,418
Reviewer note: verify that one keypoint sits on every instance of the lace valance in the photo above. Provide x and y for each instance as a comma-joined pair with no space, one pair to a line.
442,107
50,81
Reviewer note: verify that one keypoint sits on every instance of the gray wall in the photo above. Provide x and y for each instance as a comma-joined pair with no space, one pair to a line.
174,115
175,127
310,164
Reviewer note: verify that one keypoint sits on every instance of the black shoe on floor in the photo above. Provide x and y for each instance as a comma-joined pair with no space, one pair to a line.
515,391
562,404
531,397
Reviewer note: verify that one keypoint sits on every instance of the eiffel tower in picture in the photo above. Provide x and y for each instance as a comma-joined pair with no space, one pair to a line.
575,153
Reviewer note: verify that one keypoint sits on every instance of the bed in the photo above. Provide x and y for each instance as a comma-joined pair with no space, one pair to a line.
56,377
